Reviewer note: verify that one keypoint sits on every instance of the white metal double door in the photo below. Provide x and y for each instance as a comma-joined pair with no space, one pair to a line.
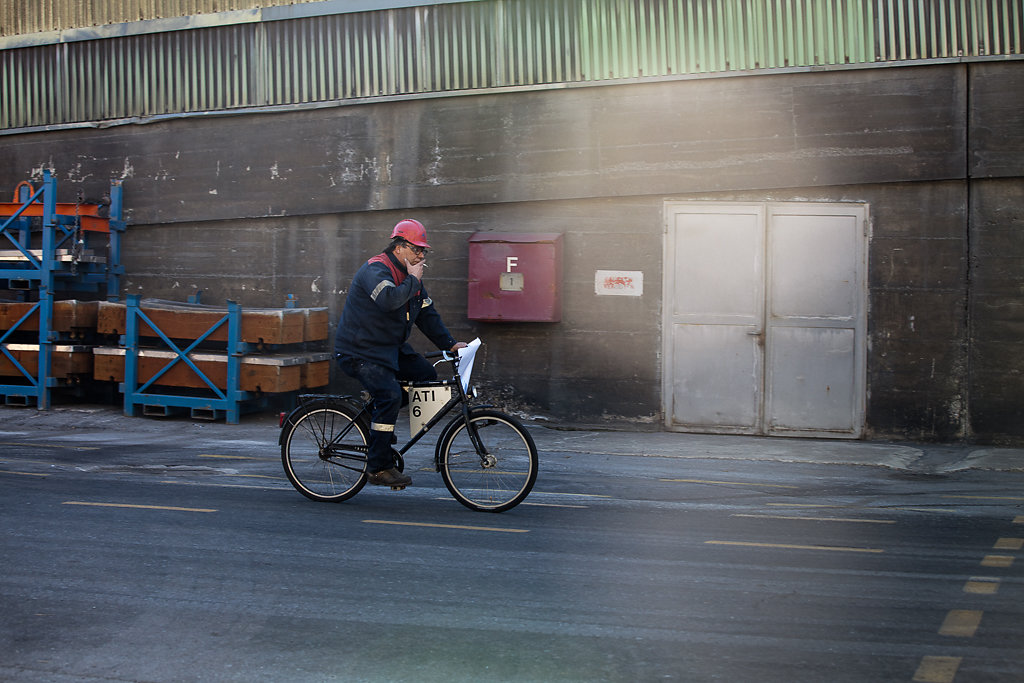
765,318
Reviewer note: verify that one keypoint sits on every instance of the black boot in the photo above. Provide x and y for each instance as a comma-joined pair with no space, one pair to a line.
381,463
390,477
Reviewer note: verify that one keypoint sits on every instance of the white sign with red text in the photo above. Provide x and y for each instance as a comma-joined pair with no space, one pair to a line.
619,283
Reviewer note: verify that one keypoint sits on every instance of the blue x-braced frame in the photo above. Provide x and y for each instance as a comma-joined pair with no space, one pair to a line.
17,231
39,384
227,400
46,273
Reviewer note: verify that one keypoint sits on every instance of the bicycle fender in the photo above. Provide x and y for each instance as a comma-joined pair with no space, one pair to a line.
448,429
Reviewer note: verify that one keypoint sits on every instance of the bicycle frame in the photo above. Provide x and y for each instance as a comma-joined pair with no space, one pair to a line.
459,397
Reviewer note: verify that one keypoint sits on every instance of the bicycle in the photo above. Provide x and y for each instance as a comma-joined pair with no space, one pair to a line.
487,459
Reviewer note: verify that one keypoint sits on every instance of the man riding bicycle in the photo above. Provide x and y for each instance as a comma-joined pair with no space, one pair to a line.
385,300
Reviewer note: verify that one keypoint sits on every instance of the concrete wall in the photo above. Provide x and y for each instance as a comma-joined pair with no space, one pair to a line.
255,207
996,235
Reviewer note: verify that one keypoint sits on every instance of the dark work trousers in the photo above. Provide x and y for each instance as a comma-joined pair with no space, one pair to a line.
383,384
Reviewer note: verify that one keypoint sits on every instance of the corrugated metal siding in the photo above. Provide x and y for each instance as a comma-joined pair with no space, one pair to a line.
477,45
19,17
148,75
624,39
933,29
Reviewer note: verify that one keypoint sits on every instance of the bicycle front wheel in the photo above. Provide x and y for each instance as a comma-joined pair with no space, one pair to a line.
499,479
324,452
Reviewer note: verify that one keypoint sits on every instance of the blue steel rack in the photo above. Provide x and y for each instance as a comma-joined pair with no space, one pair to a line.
214,400
54,261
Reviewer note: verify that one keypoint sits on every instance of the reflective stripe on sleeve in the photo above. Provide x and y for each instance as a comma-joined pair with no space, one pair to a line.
380,288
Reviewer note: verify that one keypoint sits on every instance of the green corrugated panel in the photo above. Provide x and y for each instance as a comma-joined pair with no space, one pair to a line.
701,36
474,45
935,29
1004,27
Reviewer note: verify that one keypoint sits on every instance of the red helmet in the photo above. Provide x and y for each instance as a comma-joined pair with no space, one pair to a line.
411,231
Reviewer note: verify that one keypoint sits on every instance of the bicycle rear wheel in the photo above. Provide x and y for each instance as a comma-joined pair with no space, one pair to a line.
324,452
508,471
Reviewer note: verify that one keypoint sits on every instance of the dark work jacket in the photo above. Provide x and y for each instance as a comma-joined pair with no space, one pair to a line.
382,305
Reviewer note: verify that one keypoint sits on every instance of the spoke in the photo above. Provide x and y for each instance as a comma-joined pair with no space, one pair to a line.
309,458
495,481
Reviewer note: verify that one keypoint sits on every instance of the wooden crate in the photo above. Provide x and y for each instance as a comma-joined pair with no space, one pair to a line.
267,374
316,374
65,360
189,321
68,315
316,324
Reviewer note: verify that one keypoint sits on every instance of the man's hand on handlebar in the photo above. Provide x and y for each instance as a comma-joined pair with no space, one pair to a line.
450,354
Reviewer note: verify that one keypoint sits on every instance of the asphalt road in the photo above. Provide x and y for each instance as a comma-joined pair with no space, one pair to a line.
174,557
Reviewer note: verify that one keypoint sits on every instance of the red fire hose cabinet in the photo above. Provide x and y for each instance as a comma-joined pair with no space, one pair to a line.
515,277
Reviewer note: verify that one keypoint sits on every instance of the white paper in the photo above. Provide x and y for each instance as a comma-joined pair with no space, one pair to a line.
466,357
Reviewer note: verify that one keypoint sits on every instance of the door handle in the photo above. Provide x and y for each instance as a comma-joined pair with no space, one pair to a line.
759,335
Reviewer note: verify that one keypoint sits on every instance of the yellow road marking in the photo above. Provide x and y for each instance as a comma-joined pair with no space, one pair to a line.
446,526
1009,544
19,461
937,669
996,561
980,585
25,474
803,505
988,497
555,505
961,623
788,546
731,483
140,507
1019,519
49,445
579,495
820,519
